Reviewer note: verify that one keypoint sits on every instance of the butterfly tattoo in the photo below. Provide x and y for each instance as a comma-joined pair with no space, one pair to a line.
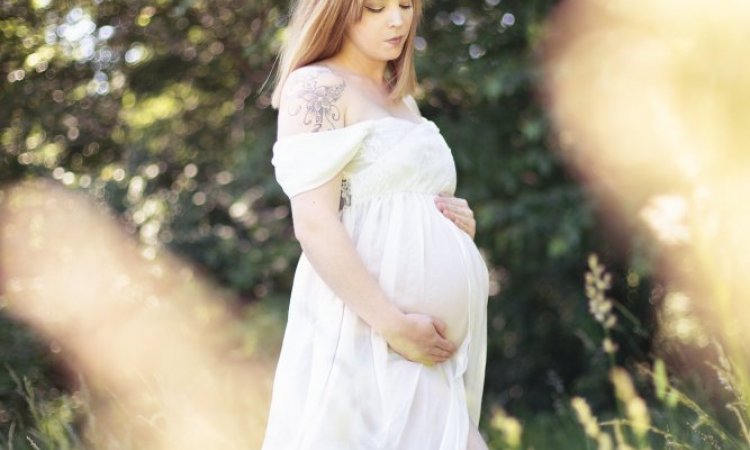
319,103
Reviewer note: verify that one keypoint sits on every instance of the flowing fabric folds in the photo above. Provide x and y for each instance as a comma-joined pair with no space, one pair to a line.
307,160
338,386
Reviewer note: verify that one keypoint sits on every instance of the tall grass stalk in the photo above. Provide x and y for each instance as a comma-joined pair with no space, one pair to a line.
633,427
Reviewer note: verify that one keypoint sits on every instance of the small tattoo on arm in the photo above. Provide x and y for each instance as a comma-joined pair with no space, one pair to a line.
319,103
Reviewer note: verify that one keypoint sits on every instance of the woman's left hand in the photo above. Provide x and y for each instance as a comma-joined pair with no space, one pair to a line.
458,211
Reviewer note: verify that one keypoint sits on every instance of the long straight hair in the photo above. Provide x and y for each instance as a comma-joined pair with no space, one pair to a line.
316,32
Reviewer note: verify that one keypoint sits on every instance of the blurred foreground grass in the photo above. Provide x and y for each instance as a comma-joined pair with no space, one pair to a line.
35,415
654,410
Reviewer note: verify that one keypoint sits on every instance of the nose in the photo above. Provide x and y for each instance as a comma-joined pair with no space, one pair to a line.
395,18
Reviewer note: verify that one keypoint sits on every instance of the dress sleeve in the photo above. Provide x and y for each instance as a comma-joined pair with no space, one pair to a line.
308,160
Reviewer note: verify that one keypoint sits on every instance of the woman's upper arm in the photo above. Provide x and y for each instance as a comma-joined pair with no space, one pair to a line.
312,99
316,205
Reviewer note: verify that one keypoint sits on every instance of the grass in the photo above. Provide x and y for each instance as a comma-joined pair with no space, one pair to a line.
676,415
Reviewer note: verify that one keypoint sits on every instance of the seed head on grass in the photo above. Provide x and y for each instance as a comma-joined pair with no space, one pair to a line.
604,442
585,417
597,284
590,424
635,406
510,428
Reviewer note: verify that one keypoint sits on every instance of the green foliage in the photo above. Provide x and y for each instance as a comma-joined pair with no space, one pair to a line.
20,352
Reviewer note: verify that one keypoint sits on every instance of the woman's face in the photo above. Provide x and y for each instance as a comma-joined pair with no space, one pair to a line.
381,33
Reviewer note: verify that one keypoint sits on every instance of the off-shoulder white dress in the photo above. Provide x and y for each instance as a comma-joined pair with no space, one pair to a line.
338,385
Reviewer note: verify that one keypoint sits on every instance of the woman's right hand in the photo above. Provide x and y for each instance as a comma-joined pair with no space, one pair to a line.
420,338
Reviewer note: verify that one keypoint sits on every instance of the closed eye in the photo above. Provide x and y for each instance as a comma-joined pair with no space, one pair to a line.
377,10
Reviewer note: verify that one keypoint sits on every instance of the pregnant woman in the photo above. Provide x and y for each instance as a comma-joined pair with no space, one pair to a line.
386,338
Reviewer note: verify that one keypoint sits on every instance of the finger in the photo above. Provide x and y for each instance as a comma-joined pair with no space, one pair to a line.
440,354
448,202
445,345
435,358
452,201
466,224
459,222
462,206
456,201
460,210
451,215
465,211
440,326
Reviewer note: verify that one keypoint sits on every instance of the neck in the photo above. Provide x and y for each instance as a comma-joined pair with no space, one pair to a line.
353,61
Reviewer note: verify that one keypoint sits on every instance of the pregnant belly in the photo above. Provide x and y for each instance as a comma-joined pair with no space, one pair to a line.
448,283
427,265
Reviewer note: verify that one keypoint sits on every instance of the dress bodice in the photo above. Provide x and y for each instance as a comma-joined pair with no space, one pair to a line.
377,157
400,156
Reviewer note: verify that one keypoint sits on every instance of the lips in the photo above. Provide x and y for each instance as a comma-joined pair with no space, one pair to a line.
396,41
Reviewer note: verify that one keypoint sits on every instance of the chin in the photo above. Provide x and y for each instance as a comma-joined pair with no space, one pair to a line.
394,55
387,57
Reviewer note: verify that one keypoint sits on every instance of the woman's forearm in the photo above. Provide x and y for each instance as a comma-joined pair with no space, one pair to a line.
332,253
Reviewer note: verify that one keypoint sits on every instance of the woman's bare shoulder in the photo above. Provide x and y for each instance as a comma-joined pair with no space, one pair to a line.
313,99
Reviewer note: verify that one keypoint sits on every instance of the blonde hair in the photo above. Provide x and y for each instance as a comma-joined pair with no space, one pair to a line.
316,32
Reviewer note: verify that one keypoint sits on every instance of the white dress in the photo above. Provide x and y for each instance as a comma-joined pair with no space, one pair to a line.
338,385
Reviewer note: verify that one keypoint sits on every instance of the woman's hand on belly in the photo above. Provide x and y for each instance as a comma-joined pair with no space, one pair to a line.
420,338
458,211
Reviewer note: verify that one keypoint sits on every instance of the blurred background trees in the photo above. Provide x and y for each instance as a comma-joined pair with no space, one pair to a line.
160,110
